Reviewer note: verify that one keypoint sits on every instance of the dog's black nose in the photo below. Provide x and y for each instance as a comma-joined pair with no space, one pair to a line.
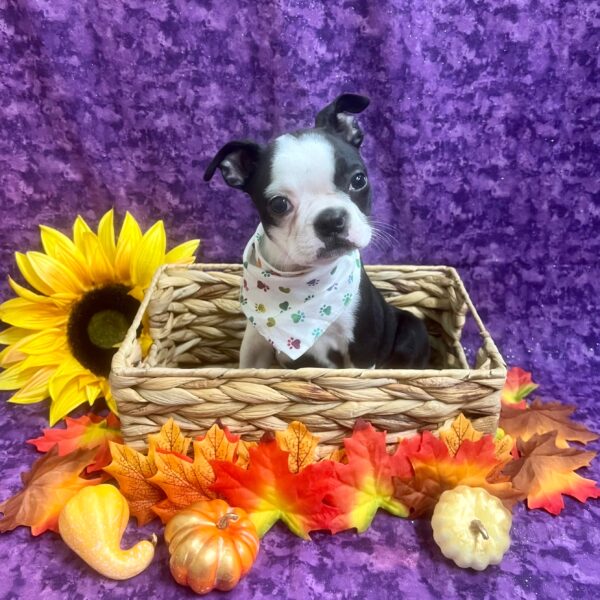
330,222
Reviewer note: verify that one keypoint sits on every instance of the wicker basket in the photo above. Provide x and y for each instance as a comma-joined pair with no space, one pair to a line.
191,374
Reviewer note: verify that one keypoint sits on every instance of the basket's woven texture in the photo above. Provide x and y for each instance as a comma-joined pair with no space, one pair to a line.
190,372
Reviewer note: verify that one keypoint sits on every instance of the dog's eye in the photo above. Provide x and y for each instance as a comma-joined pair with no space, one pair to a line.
358,182
279,205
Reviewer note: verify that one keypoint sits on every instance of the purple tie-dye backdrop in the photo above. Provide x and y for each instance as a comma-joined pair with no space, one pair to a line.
483,146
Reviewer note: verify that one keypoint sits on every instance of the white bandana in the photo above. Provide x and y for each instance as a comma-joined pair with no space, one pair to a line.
292,309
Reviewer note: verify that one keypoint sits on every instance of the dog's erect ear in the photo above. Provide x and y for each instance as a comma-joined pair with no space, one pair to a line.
334,118
237,161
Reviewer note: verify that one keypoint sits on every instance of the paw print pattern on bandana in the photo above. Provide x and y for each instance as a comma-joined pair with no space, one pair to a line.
325,310
298,317
293,310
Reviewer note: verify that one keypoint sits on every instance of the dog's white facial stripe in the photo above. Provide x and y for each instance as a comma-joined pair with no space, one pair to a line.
306,163
303,170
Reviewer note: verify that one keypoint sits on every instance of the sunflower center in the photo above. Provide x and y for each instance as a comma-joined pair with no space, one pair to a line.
107,328
98,323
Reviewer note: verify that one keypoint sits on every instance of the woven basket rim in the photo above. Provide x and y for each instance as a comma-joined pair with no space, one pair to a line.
121,368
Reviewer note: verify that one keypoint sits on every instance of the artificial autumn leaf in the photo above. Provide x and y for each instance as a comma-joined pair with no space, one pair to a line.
218,444
183,480
166,510
545,471
517,387
88,431
268,491
169,438
132,470
544,417
300,443
459,430
52,481
243,453
435,470
365,481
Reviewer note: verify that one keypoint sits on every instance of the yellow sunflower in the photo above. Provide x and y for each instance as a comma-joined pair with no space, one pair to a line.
62,337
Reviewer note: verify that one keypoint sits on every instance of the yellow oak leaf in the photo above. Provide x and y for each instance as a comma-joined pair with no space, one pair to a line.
300,443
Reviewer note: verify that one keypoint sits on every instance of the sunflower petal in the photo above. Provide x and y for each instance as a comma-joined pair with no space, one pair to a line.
23,292
32,278
32,315
110,399
106,235
36,389
128,241
80,227
58,276
149,255
100,267
42,342
16,376
9,356
60,247
67,400
184,253
11,335
92,391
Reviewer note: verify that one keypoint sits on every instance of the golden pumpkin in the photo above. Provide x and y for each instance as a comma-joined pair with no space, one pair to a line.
92,524
212,546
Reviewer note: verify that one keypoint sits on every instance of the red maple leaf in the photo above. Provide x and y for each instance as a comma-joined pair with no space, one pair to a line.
268,491
86,432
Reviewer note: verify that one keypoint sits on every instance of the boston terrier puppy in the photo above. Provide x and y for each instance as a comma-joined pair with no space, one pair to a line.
305,292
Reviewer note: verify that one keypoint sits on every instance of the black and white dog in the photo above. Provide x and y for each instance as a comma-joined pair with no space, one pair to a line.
307,297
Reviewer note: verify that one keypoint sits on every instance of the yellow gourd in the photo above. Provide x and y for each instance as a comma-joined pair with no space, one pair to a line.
92,524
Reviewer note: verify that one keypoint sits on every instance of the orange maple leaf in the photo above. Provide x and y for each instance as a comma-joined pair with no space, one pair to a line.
300,443
544,417
52,481
183,480
435,469
169,438
544,472
132,470
166,510
268,491
88,431
459,430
